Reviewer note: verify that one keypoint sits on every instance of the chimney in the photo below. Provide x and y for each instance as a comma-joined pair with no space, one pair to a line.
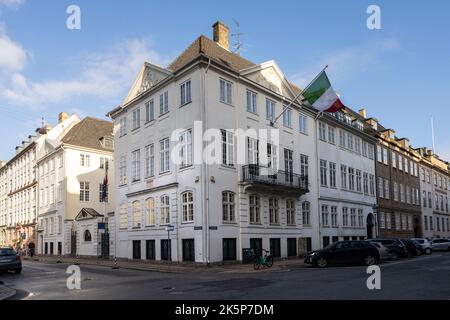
221,35
362,112
62,117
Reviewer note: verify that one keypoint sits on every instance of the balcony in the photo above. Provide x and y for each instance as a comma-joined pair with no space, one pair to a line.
258,178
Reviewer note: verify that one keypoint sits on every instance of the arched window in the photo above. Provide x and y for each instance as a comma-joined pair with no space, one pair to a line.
137,214
165,209
87,236
123,216
187,206
150,211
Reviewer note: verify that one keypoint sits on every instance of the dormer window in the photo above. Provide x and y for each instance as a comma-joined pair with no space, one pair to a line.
107,143
359,125
348,119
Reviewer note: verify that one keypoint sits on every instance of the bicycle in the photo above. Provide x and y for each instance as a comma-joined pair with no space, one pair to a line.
265,260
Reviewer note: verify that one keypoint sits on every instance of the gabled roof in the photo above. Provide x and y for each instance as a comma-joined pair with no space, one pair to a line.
88,132
204,45
87,213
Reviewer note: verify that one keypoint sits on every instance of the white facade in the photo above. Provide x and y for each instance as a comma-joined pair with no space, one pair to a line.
346,179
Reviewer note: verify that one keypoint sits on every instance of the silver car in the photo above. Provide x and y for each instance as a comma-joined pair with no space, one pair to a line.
425,244
385,253
440,245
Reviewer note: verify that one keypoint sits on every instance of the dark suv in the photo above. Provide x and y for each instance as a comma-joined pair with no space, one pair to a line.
10,260
396,248
344,252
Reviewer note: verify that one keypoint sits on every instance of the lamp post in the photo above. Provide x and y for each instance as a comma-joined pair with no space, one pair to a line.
375,215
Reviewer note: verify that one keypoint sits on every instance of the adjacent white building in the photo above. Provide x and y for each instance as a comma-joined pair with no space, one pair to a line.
74,212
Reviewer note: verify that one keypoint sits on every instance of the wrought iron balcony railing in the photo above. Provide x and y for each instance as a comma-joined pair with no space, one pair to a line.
263,175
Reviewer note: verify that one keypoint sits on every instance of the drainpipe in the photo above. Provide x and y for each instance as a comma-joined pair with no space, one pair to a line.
205,171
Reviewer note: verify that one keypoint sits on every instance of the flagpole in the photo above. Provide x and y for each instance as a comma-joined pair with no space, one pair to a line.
272,123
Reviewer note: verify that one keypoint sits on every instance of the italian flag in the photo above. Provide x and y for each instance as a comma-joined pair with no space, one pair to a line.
321,95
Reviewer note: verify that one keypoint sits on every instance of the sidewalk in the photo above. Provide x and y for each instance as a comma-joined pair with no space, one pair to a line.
6,292
279,265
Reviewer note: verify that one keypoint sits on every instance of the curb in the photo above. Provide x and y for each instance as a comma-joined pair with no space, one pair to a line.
6,292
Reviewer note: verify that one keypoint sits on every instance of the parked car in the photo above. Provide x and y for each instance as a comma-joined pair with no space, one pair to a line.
385,253
440,244
10,260
344,252
411,247
396,247
425,244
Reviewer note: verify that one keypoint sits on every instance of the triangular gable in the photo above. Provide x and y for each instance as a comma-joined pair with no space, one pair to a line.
270,76
86,214
148,76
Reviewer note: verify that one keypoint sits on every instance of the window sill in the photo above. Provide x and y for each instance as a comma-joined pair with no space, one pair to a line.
164,115
149,123
185,104
226,103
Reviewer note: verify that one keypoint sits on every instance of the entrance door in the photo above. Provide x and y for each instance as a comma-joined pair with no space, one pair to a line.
256,245
136,249
275,248
370,226
292,247
229,249
150,250
73,244
105,245
166,252
188,250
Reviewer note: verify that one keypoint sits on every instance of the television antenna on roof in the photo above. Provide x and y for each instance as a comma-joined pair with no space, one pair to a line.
237,43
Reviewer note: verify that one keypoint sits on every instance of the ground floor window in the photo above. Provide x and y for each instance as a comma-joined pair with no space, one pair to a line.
136,249
326,241
354,238
335,239
188,250
229,249
59,248
46,248
150,250
256,245
275,248
51,248
292,247
166,250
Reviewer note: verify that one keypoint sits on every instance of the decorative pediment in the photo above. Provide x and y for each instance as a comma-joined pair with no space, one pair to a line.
87,213
269,75
148,76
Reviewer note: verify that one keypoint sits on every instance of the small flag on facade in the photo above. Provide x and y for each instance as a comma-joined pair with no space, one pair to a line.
321,95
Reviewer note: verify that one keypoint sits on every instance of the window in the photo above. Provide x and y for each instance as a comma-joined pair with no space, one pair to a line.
323,173
123,170
187,206
272,158
150,161
186,148
273,211
395,191
304,166
386,189
380,187
103,162
366,183
358,145
360,218
372,184
332,175
342,138
322,131
226,88
385,157
87,237
136,119
350,141
136,165
303,124
334,216
364,149
325,215
358,181
59,191
227,148
270,110
289,165
150,111
429,200
306,213
379,154
370,151
100,193
343,177
137,214
402,193
185,89
228,207
164,103
331,135
122,126
351,179
84,191
287,118
353,217
123,216
251,102
165,209
400,163
84,160
164,155
255,217
150,211
290,212
52,194
394,159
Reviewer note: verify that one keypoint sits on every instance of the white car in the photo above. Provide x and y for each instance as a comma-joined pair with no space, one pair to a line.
425,244
385,253
440,245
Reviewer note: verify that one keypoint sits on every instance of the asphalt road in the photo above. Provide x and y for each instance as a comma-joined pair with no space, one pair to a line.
426,277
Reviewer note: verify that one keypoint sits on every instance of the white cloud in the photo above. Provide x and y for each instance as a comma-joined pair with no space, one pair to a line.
104,75
344,64
13,57
11,3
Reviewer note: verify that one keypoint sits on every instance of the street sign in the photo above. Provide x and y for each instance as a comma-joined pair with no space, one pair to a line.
170,228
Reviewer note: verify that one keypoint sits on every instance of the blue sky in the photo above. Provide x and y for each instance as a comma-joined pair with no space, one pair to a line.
399,73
